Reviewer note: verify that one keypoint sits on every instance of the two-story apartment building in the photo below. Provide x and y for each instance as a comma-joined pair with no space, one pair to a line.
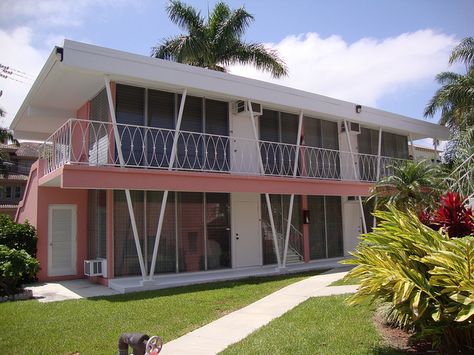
152,167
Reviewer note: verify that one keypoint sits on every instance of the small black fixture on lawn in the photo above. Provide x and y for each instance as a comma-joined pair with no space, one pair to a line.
358,108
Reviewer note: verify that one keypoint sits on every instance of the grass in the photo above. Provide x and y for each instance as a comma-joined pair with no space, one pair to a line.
321,325
343,282
92,326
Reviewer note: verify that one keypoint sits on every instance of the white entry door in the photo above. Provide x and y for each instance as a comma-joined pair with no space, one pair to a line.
61,240
244,149
352,225
247,241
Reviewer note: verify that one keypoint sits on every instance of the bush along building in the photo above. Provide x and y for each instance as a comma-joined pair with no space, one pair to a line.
152,170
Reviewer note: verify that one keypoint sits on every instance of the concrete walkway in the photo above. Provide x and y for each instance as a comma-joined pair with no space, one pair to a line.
68,290
218,335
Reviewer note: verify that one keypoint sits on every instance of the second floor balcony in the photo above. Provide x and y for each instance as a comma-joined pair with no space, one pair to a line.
103,144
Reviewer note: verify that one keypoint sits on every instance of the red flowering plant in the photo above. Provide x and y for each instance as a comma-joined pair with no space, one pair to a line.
453,216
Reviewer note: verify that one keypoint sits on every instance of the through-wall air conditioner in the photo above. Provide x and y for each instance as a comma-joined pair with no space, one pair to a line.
241,107
97,267
354,128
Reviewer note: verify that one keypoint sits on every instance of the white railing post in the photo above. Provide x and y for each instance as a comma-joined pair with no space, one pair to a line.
267,196
292,197
164,201
127,192
364,225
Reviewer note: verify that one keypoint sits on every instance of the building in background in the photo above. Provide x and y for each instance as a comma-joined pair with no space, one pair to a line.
152,167
12,187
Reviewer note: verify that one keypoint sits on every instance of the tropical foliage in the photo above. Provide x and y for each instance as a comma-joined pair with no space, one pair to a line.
453,216
412,185
426,278
5,164
215,42
15,266
455,100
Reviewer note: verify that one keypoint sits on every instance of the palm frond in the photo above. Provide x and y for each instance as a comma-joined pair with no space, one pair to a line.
234,26
464,52
184,16
259,56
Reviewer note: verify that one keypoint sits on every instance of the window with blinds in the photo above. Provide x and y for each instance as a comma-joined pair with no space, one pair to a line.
98,137
97,224
320,134
125,252
393,145
130,110
278,127
325,227
216,117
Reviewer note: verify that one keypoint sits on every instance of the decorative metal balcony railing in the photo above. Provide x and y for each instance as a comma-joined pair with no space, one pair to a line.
94,143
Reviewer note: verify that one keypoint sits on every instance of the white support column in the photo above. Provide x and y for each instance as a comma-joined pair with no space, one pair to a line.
164,201
267,196
364,225
413,151
379,157
292,197
118,142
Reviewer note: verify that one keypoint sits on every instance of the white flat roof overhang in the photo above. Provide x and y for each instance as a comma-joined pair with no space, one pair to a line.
64,85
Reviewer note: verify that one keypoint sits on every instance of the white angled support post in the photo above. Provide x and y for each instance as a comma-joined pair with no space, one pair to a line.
379,158
364,225
292,197
164,201
267,196
118,142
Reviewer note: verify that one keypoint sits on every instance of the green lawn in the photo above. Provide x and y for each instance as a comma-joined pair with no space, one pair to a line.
321,325
342,282
92,326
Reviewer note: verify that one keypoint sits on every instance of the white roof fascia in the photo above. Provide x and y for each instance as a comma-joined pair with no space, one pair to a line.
138,68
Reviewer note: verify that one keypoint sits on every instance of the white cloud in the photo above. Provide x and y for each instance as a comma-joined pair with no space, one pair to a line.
18,53
363,71
51,13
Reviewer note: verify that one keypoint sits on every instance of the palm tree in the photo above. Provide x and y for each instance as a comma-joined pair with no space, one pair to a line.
215,42
455,99
414,185
5,164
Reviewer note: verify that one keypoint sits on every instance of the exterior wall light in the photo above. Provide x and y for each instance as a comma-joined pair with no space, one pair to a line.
358,108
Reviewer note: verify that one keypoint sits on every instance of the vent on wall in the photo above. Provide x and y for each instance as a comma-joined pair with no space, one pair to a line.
242,108
354,128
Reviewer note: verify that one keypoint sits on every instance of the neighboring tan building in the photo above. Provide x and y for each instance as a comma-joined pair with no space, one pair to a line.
154,167
426,153
12,187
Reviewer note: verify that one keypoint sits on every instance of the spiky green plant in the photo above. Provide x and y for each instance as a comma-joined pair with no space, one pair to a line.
427,278
412,185
215,42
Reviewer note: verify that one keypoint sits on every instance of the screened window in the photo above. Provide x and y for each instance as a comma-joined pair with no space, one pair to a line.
130,110
280,206
218,230
98,136
278,127
217,123
325,227
321,162
97,223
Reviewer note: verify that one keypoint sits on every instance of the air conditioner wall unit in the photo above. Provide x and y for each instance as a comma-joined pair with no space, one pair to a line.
96,267
354,128
241,107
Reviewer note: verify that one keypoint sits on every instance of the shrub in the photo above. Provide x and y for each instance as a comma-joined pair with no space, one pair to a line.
456,219
15,265
426,277
18,235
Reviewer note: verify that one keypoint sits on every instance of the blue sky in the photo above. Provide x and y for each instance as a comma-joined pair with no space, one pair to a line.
375,52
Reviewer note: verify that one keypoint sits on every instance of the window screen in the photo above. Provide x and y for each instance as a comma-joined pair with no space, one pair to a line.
97,222
218,231
217,123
